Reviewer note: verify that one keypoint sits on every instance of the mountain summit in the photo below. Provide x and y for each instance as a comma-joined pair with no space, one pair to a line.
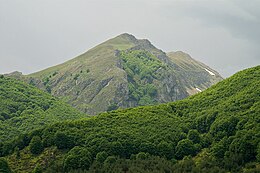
124,72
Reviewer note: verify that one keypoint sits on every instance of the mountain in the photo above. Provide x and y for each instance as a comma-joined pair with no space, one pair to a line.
216,130
24,108
123,72
195,75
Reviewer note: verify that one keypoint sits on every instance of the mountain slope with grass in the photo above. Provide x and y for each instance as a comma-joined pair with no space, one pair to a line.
193,74
120,73
24,108
216,130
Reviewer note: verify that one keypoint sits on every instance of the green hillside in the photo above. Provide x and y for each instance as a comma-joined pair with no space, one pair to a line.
214,131
122,72
24,108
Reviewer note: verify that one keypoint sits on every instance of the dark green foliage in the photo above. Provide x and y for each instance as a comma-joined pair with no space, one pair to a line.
258,153
224,127
4,168
37,169
165,149
35,145
142,156
194,136
101,156
109,161
77,158
185,147
17,152
62,140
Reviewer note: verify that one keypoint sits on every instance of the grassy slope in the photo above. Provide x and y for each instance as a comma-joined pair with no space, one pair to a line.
226,117
119,42
193,72
24,108
95,69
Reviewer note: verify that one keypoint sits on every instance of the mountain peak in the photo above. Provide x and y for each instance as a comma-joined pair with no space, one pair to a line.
126,41
128,37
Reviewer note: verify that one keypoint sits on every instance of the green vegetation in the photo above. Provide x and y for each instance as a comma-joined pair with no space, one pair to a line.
77,158
35,145
24,108
141,68
4,168
214,131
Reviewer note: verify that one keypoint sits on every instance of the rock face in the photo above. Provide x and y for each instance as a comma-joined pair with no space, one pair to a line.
124,72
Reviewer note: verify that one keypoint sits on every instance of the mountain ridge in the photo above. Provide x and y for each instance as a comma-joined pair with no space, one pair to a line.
108,77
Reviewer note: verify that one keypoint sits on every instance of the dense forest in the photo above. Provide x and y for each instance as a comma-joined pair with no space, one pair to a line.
24,107
214,131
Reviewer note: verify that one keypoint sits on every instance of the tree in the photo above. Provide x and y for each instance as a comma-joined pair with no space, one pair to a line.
4,168
37,169
62,140
116,148
141,156
17,153
243,145
77,158
101,156
148,147
165,149
109,161
185,147
194,136
36,146
258,153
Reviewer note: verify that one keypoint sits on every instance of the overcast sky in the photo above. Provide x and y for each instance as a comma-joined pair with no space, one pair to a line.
36,34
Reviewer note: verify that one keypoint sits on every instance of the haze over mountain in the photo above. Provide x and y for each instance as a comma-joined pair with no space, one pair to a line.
124,72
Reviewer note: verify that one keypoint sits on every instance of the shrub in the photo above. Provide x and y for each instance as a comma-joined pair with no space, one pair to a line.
185,147
62,140
77,158
101,156
194,136
141,156
110,160
37,169
36,146
4,168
